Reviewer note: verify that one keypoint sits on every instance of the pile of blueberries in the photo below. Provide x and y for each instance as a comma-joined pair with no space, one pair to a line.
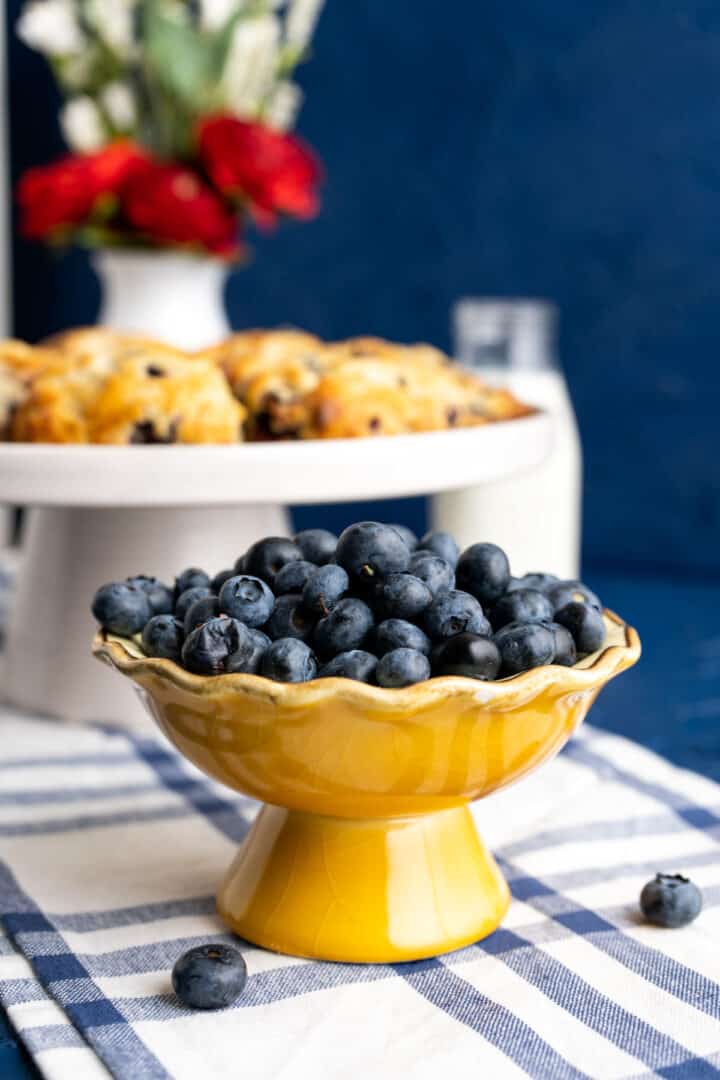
376,605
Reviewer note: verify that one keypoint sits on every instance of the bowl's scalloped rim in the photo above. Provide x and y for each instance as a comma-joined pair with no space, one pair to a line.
597,670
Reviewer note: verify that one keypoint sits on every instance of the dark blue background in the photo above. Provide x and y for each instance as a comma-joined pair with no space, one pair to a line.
566,150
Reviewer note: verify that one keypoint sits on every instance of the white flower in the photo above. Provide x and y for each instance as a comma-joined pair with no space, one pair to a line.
215,13
51,27
283,106
301,19
118,101
82,125
251,65
113,20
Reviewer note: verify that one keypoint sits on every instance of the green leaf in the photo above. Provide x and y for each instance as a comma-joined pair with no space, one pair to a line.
175,53
187,61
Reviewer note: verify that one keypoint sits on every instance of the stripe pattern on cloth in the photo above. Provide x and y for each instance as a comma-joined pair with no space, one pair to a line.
111,848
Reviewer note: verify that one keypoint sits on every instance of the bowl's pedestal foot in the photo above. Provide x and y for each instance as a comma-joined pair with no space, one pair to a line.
369,890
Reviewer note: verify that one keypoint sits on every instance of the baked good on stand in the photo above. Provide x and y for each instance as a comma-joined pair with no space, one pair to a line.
94,385
19,365
147,395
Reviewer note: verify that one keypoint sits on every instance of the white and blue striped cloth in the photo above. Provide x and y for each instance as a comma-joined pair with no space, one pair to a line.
111,847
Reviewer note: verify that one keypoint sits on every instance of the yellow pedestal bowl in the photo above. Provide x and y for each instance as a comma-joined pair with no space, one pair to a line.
366,850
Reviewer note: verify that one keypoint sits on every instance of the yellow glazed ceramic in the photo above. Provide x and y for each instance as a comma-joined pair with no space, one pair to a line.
366,850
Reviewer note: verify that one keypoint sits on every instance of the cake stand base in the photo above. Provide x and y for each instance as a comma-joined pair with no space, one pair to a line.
363,891
67,555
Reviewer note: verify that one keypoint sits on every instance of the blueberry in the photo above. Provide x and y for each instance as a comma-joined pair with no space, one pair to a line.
190,579
325,588
484,571
355,664
402,667
289,619
401,596
670,900
186,599
433,571
209,976
265,558
442,544
248,599
160,597
369,551
565,592
240,565
316,545
467,654
346,627
565,651
406,534
400,634
207,607
163,636
455,612
289,660
522,605
206,649
220,578
586,625
260,638
248,658
542,582
121,608
524,646
293,577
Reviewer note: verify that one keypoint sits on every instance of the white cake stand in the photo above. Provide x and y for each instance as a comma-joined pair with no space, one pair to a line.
101,513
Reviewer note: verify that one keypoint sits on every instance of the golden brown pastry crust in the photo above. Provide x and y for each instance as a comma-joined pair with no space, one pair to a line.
271,372
104,346
253,352
173,399
377,350
375,388
57,406
19,365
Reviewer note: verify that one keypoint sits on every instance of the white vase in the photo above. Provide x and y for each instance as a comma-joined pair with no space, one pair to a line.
173,297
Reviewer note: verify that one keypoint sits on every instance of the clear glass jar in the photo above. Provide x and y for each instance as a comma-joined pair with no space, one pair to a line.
535,516
505,335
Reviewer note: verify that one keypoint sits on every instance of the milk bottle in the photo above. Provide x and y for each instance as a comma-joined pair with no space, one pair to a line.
533,515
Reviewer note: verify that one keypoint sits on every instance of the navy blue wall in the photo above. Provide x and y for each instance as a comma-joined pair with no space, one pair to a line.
506,147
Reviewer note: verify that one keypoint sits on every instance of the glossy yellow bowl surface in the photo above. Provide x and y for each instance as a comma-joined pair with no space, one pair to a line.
367,851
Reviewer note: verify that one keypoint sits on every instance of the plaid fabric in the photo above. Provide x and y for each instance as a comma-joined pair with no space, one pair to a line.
111,848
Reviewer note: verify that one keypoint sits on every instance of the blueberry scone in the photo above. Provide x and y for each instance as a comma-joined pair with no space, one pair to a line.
143,395
20,364
166,399
103,345
271,372
373,350
384,389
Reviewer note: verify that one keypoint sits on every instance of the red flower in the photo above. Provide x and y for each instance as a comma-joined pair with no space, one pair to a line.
67,192
276,173
172,205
